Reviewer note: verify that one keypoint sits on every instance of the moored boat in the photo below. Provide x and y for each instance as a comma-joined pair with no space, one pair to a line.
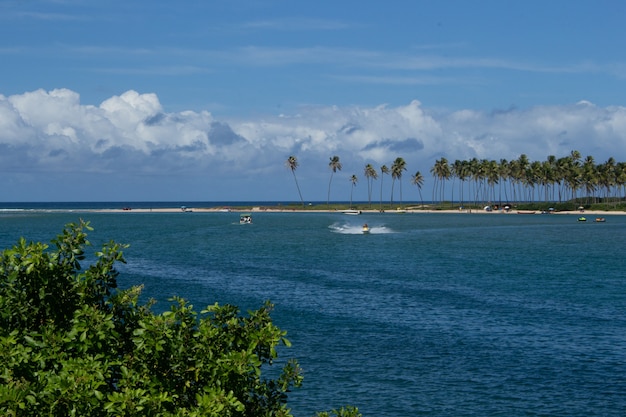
352,212
582,219
600,219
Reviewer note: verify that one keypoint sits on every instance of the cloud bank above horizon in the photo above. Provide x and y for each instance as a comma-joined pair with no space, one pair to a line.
129,148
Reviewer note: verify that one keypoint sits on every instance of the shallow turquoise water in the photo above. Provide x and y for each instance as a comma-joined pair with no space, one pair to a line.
430,314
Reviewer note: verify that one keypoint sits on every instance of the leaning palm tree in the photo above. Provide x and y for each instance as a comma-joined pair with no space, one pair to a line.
383,170
370,175
397,167
353,180
334,166
292,164
418,180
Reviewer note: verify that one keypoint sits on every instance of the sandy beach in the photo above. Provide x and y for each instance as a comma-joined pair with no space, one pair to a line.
274,209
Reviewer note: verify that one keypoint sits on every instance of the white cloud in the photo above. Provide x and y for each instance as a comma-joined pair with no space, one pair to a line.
51,132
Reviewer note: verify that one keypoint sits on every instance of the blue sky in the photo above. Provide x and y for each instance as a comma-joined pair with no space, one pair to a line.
191,100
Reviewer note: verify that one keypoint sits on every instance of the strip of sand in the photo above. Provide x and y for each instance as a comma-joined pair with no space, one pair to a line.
395,212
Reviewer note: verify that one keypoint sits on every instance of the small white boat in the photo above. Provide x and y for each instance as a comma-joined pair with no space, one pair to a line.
352,212
245,218
366,228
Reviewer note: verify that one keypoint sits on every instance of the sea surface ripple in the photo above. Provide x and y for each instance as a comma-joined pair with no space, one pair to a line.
429,314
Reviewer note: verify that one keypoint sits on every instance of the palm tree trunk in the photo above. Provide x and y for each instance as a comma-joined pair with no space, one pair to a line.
298,187
328,197
381,193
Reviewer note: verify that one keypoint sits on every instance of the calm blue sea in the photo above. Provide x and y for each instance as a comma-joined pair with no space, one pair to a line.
430,314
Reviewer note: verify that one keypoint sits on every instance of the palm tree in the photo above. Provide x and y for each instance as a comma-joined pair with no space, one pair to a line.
533,177
504,172
370,175
353,180
621,180
396,174
547,178
441,172
418,180
491,175
383,170
608,176
523,165
574,174
460,170
588,176
292,164
530,181
335,166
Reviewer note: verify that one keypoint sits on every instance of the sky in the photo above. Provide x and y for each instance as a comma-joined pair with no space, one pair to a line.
205,100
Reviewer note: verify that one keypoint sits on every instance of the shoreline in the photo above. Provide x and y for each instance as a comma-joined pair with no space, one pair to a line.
236,210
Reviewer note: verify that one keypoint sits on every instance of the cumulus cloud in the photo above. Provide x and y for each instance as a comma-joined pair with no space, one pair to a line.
52,132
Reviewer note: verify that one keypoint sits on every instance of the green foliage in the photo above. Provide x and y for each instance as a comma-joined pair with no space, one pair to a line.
71,344
342,412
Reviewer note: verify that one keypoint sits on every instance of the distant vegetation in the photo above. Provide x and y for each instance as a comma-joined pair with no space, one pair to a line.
561,183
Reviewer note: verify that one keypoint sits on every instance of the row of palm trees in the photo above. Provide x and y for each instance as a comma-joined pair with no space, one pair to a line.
490,181
569,178
397,168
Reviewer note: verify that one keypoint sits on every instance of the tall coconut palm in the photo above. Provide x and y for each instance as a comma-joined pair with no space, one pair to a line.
574,174
504,172
441,172
418,180
397,167
534,177
370,175
455,169
491,175
589,177
383,170
534,180
353,181
607,176
460,170
523,166
574,180
292,164
334,165
474,174
621,180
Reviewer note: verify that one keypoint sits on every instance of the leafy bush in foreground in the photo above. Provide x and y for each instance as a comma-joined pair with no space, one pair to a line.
72,345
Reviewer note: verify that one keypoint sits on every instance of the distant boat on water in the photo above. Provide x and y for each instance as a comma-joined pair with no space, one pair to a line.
351,212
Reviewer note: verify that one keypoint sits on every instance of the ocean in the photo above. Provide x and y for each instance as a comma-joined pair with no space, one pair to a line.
428,315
